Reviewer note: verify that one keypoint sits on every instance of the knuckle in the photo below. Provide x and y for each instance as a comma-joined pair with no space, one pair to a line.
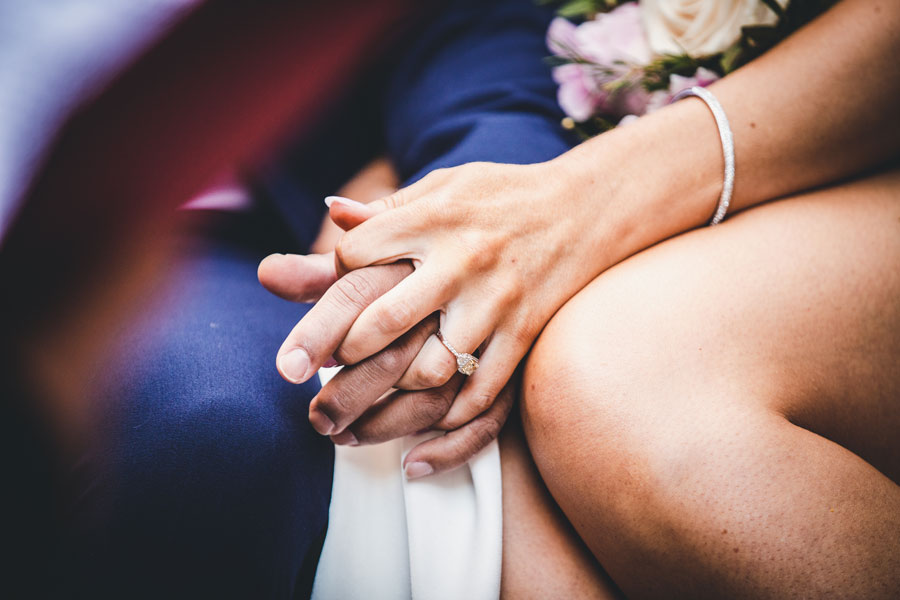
343,249
395,200
389,362
371,427
475,438
429,407
510,296
481,401
436,175
356,289
467,258
432,375
396,317
477,251
483,431
333,404
343,357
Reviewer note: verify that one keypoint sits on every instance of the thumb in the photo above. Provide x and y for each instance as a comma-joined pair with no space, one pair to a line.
297,278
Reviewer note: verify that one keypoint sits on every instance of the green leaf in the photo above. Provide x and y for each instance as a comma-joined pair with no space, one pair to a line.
557,61
730,58
577,8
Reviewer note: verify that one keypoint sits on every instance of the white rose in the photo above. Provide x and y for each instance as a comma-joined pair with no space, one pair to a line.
701,27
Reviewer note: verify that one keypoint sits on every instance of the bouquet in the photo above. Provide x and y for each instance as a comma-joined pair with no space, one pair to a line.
619,59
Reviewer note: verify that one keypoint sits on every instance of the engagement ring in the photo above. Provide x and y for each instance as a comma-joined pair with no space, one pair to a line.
465,363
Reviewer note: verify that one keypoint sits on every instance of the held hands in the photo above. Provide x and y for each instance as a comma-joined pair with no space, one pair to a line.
493,249
493,255
346,407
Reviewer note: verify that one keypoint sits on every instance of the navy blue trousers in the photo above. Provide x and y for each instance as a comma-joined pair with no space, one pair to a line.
211,481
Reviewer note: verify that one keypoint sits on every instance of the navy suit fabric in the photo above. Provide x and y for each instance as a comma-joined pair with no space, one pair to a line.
470,85
221,487
214,484
474,87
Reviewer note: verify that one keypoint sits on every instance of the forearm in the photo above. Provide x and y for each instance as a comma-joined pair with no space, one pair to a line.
818,108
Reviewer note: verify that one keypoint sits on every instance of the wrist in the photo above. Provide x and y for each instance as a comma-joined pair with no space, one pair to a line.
650,180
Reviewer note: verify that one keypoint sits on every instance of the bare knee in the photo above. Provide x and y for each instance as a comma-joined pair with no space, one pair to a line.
697,491
618,441
580,405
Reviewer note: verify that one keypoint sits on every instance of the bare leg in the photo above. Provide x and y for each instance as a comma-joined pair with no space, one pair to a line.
718,415
543,557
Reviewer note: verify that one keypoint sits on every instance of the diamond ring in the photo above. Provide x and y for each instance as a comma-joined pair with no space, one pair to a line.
465,363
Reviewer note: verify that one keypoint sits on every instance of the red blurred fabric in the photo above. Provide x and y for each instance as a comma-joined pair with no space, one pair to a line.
223,85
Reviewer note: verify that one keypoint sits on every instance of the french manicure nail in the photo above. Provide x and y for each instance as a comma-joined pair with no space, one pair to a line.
414,470
321,423
294,365
345,438
341,200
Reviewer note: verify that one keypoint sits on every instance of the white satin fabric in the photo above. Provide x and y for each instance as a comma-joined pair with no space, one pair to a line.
431,538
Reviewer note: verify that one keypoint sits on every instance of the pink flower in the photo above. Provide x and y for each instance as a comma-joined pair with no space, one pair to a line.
609,49
578,94
615,38
561,38
608,57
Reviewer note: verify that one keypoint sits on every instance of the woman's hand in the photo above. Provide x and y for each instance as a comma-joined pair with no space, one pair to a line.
359,404
497,248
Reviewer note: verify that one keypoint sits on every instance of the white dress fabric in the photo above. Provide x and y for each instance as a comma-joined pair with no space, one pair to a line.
428,539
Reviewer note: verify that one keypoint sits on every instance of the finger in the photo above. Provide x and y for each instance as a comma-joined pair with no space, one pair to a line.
393,314
316,337
347,213
413,191
403,413
456,447
382,239
296,277
435,364
431,368
496,366
355,388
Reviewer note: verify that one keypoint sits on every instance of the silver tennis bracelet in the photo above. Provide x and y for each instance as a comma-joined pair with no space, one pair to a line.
727,145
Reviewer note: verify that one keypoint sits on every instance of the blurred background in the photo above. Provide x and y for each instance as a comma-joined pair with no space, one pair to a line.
130,133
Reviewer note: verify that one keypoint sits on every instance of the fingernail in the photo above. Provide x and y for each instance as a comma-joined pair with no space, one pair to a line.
415,470
294,365
345,438
341,200
330,363
321,423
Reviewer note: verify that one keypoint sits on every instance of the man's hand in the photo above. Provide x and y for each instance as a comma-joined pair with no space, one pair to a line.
358,405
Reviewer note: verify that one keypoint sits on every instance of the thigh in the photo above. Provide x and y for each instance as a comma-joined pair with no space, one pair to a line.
543,557
731,396
212,482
